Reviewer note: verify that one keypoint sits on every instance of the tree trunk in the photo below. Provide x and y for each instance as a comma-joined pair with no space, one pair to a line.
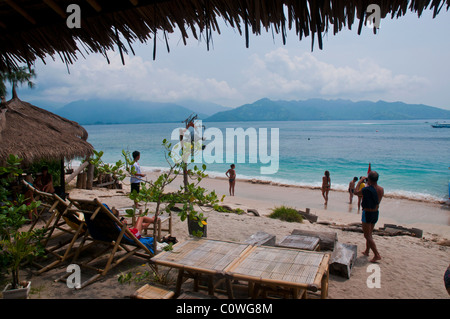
14,93
155,223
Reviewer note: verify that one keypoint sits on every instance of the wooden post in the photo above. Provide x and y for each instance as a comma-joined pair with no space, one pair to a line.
79,183
83,180
62,177
90,176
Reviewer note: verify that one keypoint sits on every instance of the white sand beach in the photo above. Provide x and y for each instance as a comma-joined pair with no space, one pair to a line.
410,267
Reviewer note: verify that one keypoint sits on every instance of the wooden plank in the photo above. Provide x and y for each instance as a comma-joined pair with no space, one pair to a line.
152,292
76,172
300,242
327,240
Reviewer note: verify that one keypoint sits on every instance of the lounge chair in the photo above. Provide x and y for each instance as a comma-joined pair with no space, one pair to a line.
64,222
106,229
48,203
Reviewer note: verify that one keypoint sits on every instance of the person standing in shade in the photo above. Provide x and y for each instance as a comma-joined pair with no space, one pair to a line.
231,174
135,179
371,198
326,186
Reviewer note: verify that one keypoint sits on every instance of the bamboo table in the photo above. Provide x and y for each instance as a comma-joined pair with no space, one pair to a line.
200,256
288,270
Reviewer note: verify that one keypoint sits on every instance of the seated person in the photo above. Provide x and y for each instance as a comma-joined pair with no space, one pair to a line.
29,198
44,182
142,222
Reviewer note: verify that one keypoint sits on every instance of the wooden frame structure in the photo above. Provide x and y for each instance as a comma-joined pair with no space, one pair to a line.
106,229
62,218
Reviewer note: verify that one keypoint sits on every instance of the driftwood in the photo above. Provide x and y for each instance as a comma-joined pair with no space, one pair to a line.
342,259
385,231
327,240
308,216
394,229
253,211
261,239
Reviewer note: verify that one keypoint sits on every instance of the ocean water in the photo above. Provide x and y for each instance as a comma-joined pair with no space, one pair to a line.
412,158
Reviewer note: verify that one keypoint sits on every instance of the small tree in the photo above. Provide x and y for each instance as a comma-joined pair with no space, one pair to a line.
195,199
16,245
18,76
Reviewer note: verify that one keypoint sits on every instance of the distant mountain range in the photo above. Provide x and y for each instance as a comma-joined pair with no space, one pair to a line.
319,109
103,111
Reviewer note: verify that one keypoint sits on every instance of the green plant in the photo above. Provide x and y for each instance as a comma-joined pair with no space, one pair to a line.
16,245
221,209
285,213
190,194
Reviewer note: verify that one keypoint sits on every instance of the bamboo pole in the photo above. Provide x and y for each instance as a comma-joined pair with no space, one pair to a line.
76,172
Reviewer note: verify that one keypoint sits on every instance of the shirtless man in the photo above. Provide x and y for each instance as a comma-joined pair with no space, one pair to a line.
231,174
351,188
371,198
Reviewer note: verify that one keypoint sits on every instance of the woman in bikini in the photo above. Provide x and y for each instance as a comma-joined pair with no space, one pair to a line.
231,174
326,185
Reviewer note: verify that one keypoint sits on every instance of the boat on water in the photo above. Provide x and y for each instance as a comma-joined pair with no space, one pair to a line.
441,125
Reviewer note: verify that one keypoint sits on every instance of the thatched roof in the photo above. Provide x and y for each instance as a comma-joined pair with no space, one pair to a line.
32,133
34,29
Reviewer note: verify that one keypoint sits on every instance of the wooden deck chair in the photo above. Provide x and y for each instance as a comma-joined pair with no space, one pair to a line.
105,228
48,203
64,221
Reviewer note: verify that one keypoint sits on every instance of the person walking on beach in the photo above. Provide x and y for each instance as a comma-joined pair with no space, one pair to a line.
231,174
351,188
326,185
371,198
135,178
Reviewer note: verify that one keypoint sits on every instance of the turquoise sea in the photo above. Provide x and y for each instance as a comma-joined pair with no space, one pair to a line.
412,158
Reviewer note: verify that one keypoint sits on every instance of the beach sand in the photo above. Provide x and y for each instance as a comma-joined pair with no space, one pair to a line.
410,267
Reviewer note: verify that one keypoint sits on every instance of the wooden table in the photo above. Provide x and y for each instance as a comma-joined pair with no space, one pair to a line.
292,271
199,256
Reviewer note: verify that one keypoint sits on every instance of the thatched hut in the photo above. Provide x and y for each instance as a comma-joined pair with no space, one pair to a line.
35,29
34,134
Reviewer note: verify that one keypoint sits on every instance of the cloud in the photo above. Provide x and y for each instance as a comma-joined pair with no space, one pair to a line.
281,73
138,79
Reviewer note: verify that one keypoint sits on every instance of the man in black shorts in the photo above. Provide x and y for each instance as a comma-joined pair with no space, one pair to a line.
135,181
371,198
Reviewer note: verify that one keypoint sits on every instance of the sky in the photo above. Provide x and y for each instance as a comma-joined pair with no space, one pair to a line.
407,61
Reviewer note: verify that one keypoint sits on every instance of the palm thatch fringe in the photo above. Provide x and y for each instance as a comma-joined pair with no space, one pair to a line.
35,29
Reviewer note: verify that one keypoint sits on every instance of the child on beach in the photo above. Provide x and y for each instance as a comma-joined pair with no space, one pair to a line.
326,185
351,188
231,174
362,185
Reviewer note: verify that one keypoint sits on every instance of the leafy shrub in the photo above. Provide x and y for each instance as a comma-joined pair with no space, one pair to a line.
285,213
